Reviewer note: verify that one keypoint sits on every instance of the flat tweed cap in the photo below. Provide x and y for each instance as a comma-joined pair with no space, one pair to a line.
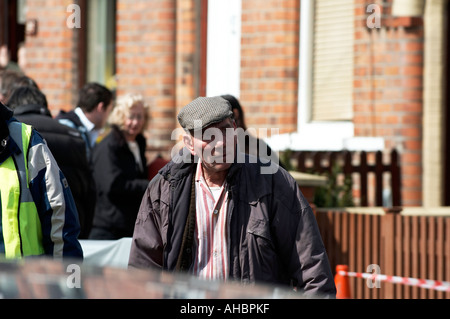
204,111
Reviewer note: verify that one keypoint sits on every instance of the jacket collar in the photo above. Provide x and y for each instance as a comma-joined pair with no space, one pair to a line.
32,109
7,145
5,112
120,137
71,116
5,116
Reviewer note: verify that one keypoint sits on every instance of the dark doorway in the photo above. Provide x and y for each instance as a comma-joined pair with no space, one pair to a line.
12,30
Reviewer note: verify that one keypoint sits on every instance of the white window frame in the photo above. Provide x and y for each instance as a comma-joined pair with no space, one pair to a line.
314,135
317,135
223,65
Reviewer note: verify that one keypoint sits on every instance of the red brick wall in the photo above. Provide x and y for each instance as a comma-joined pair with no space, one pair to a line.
157,46
269,63
145,60
158,55
51,53
388,90
187,52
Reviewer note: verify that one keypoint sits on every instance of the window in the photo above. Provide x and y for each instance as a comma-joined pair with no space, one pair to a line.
325,98
101,21
332,74
316,130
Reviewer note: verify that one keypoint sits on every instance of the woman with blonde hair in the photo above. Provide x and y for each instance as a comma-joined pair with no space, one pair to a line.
120,169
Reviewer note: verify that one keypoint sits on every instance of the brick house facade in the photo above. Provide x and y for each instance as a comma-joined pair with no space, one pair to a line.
162,48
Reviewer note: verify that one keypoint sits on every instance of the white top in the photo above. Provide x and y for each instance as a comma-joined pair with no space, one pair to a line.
134,148
215,191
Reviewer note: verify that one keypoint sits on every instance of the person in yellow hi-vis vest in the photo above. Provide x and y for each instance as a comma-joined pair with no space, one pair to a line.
38,215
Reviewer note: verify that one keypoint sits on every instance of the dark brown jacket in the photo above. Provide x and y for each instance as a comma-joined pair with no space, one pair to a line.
274,237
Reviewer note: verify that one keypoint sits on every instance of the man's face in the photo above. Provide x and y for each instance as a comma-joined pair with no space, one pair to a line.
214,145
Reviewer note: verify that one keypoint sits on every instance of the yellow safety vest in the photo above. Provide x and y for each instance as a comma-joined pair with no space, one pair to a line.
22,233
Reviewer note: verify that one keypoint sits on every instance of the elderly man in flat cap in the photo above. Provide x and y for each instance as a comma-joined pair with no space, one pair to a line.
212,213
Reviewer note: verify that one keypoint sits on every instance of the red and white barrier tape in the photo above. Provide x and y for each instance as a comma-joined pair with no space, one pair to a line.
423,283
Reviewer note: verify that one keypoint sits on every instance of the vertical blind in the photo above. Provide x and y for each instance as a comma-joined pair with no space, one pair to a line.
333,60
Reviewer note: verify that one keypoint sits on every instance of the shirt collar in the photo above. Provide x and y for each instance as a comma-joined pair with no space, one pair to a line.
199,174
199,171
84,120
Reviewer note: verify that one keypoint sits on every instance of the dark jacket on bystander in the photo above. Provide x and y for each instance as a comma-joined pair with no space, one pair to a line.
68,148
120,185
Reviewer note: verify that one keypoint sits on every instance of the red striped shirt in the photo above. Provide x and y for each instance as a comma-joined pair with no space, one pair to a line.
211,238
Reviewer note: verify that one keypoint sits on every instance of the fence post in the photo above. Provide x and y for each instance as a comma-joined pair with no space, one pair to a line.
345,160
347,163
395,179
317,160
388,248
363,171
301,166
379,178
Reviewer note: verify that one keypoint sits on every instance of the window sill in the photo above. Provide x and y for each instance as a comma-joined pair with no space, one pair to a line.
333,136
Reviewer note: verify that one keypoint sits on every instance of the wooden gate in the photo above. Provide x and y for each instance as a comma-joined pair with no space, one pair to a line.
361,163
408,242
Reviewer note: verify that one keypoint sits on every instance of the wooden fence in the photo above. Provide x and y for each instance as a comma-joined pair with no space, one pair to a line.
409,242
355,163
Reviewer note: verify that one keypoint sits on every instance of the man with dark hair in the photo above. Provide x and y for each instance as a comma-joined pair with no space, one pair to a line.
89,117
24,95
7,80
29,105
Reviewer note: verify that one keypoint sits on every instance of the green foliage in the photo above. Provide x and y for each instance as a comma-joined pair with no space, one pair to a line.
335,194
285,158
